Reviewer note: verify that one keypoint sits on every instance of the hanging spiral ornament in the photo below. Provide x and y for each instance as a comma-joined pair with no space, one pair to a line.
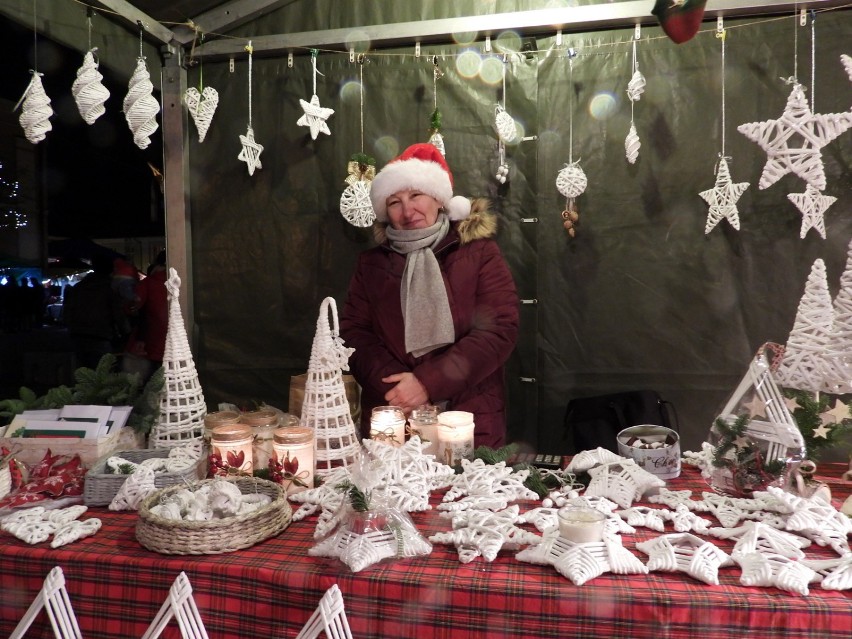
140,105
36,110
636,86
632,144
88,90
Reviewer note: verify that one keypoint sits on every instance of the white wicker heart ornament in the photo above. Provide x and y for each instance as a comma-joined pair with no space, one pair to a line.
505,125
201,106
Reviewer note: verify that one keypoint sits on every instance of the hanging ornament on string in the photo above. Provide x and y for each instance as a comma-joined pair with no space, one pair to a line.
846,61
140,106
315,116
507,132
793,143
36,110
435,137
355,204
201,102
724,195
635,89
250,153
571,180
88,90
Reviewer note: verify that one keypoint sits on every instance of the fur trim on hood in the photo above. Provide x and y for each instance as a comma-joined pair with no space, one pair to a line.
481,224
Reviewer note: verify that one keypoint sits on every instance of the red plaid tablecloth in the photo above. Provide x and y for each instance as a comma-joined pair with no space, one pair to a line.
116,588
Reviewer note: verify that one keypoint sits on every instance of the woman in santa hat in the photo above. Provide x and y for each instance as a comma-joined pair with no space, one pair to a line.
432,312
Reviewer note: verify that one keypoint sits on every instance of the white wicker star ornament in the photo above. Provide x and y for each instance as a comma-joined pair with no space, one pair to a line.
775,571
723,198
140,106
836,574
794,142
812,204
201,106
88,90
36,110
480,533
250,153
489,480
315,117
684,552
622,481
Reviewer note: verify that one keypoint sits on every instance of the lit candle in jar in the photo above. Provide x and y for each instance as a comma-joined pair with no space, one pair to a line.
455,436
581,525
424,423
293,457
233,444
387,425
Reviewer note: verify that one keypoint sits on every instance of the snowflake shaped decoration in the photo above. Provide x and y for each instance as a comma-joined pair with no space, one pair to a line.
489,480
582,562
810,132
836,574
812,204
326,497
478,533
816,519
75,530
676,498
762,538
731,510
315,116
684,552
723,198
621,481
250,153
775,571
653,518
685,520
584,460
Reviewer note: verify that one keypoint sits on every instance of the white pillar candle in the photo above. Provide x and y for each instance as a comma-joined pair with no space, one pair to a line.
424,423
387,425
455,436
581,525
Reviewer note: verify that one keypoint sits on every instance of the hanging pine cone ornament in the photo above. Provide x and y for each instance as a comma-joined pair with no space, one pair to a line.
355,204
570,218
435,137
505,125
201,107
88,90
36,111
140,105
571,181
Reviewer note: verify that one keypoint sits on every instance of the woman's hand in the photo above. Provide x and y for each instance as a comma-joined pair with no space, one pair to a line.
408,393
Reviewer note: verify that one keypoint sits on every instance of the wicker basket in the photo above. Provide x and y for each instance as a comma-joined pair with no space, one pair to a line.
172,537
101,487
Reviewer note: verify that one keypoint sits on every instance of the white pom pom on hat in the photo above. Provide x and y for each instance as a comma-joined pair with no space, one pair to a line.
422,167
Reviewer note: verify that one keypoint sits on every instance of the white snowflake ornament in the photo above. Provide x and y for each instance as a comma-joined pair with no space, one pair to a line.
88,90
355,204
75,530
812,204
314,117
36,110
684,552
794,142
816,519
478,533
140,106
250,153
489,480
571,180
632,144
723,198
201,107
621,481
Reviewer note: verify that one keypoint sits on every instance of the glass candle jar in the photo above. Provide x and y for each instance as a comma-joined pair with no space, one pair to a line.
233,443
387,425
424,423
293,450
219,418
581,525
455,436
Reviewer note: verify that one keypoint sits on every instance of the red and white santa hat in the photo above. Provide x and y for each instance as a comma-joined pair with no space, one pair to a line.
422,167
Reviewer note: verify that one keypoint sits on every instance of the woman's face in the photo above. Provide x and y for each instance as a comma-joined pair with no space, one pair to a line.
412,209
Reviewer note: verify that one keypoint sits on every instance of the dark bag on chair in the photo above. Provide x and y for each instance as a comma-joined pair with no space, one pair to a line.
592,422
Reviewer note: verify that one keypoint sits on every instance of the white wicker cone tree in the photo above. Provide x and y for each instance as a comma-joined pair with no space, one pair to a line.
325,407
182,407
839,358
803,365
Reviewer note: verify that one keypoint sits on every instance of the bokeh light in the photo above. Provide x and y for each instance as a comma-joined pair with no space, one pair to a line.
508,42
359,40
603,105
491,71
351,92
465,38
468,63
386,148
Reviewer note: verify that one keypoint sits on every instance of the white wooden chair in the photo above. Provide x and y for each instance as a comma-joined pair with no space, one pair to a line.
54,597
329,617
181,605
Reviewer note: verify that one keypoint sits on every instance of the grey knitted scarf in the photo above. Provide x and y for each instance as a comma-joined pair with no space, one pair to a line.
425,307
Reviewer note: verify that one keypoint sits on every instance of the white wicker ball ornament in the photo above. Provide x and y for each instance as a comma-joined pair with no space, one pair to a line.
355,204
201,106
36,111
571,181
140,105
88,90
505,125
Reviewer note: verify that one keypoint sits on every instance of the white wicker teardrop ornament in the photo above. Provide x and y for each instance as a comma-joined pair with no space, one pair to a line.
36,110
201,107
140,105
636,86
355,204
505,125
571,181
632,144
88,90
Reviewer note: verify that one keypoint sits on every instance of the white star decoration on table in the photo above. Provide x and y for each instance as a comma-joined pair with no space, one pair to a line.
723,198
836,574
816,519
489,480
621,481
799,126
582,461
35,525
758,537
684,552
250,153
483,533
775,570
582,562
315,117
813,205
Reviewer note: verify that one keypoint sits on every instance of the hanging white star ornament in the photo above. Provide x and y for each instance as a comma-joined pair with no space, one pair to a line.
812,205
806,132
723,198
251,151
315,117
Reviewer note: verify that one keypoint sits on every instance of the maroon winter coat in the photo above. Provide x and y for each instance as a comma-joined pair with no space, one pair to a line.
468,374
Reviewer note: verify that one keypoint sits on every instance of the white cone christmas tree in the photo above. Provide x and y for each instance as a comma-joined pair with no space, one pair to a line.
140,105
182,407
838,372
325,407
803,365
36,111
88,90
